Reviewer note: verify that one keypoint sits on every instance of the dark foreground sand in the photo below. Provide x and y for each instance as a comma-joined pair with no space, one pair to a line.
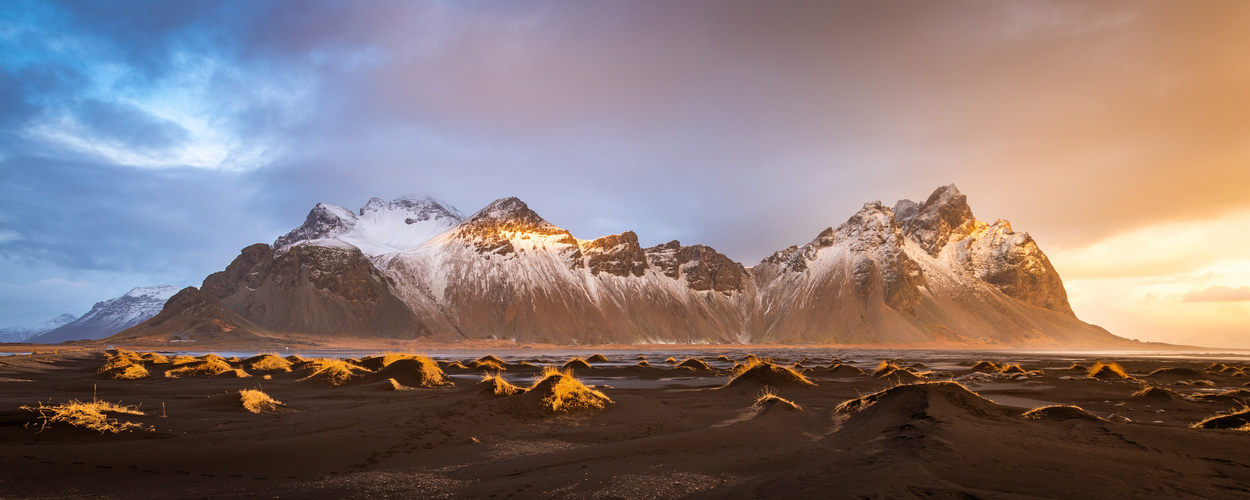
670,433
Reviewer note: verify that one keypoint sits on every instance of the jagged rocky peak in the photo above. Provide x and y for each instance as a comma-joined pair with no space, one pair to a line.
507,222
616,254
1014,264
419,208
702,267
875,242
323,221
945,216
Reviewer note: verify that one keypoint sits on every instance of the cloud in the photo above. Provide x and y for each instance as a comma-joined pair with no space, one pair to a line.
1219,294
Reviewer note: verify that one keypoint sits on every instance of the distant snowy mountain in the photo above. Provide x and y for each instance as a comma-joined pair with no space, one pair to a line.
111,316
926,272
21,333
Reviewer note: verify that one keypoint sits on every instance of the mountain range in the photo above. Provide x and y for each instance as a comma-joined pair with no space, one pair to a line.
917,272
110,316
21,333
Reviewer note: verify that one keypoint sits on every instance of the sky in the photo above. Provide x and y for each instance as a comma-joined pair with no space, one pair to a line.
146,143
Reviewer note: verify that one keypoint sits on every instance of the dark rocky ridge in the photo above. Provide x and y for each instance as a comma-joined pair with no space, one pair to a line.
616,254
701,266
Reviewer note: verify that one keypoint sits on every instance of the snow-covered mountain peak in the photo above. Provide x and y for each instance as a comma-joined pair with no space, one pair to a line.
112,315
160,292
382,227
421,208
21,333
512,215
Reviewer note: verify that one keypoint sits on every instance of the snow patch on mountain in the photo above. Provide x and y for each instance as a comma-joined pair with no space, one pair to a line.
381,227
111,316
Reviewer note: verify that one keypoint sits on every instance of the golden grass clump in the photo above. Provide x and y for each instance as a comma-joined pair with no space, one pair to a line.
495,384
576,362
1157,393
765,372
456,365
670,360
885,368
493,359
695,363
723,357
91,415
212,357
334,372
769,399
1059,412
121,359
266,363
416,370
124,365
985,366
233,373
567,394
488,365
256,401
1077,367
394,385
127,372
644,363
1008,368
838,369
181,360
1107,370
155,358
1237,420
598,358
203,368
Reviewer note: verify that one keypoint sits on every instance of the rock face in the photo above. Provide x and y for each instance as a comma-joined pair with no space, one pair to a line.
318,290
111,316
917,272
191,315
21,333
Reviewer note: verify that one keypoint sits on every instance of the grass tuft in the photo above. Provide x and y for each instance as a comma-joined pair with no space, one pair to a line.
267,363
334,372
87,415
769,399
206,367
1238,420
1107,370
695,363
256,401
567,394
499,386
763,371
575,362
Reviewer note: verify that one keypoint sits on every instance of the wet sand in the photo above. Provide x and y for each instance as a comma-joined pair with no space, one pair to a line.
669,433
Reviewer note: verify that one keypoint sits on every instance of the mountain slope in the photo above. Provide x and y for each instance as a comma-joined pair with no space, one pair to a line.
924,272
508,273
111,316
21,333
